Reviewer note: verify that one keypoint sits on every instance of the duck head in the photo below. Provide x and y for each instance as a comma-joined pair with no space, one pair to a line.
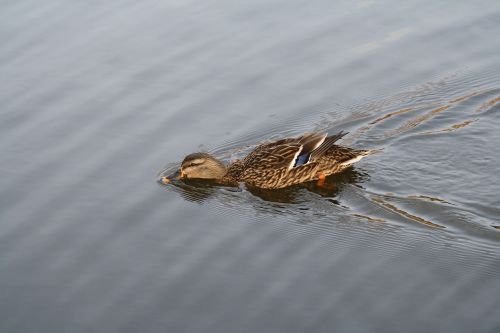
202,166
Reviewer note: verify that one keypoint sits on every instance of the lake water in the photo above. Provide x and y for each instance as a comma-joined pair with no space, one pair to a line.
98,97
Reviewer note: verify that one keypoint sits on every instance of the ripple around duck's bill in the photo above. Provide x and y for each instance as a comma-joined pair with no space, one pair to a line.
394,123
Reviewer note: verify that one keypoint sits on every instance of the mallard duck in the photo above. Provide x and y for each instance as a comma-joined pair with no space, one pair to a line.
277,164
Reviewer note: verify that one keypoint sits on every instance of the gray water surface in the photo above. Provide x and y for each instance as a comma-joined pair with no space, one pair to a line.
98,97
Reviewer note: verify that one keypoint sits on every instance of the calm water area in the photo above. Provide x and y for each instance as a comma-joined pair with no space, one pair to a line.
99,97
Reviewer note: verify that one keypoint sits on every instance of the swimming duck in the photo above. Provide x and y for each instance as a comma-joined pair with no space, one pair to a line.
277,164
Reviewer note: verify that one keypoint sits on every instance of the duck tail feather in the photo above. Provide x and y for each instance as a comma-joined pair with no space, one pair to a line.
327,144
360,155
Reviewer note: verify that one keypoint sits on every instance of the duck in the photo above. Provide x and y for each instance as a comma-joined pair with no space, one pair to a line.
277,164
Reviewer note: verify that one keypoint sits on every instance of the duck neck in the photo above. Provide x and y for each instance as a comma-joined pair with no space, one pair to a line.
235,170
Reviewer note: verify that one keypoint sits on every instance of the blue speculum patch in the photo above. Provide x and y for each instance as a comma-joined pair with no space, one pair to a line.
302,159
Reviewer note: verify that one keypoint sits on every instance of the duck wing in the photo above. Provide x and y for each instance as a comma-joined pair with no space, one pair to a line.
273,156
326,145
310,142
289,153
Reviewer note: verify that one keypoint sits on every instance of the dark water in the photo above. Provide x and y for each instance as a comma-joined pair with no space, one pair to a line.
96,97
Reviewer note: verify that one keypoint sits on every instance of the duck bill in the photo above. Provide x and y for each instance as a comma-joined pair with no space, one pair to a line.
164,180
175,176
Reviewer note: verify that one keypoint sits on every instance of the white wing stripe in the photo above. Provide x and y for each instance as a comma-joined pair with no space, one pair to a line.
292,163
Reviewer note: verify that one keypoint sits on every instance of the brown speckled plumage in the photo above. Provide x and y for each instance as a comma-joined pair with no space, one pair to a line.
272,165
